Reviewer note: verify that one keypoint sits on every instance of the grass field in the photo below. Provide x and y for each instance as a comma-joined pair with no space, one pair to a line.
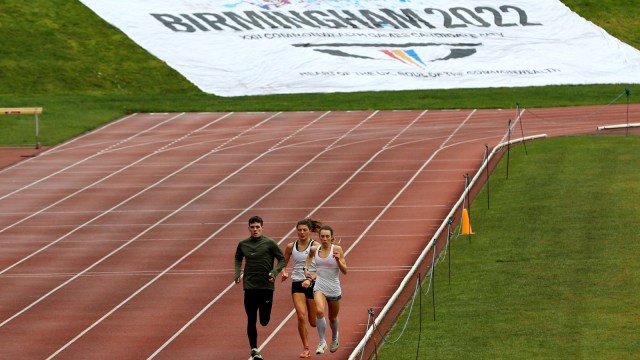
57,54
550,273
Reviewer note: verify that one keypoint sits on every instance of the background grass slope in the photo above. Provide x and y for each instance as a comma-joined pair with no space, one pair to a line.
58,54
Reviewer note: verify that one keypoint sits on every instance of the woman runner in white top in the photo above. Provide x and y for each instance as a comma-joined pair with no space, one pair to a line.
330,262
301,287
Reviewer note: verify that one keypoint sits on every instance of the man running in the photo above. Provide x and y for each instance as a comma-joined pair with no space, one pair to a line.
259,252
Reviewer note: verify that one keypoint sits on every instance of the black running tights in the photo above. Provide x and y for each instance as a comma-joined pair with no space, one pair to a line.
257,301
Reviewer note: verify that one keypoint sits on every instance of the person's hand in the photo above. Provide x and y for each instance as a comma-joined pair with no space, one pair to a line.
336,255
271,278
284,276
306,283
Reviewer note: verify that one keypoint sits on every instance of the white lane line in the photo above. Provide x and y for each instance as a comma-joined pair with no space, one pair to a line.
377,218
199,245
108,176
85,159
353,175
204,272
302,167
65,144
88,222
123,245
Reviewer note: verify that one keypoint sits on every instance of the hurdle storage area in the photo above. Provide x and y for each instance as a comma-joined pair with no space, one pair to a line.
26,111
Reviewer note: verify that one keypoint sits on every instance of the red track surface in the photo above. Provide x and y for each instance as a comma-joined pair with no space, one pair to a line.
120,243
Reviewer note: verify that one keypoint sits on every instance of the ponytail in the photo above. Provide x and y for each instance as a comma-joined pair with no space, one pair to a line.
313,225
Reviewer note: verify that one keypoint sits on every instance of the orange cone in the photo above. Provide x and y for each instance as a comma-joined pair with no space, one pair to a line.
466,225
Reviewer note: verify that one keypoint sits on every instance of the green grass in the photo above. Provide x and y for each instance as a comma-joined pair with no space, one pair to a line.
552,271
620,19
57,54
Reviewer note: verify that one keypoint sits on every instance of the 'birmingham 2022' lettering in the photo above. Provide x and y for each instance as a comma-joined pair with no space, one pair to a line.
428,18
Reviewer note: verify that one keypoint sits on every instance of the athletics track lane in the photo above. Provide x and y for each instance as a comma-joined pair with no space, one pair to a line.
119,244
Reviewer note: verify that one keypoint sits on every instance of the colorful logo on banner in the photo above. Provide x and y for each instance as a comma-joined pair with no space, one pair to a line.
414,54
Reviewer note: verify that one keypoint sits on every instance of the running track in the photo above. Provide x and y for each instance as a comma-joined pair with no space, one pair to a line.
119,244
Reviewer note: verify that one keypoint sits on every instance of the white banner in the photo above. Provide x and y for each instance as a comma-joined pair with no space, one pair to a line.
255,47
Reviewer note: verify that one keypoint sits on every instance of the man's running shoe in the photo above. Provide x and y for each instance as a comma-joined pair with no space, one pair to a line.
321,347
305,353
255,355
334,345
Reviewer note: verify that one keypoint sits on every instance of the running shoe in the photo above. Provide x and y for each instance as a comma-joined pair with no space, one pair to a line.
334,345
305,353
255,355
321,347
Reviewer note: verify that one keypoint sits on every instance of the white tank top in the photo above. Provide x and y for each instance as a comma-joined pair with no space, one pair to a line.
328,281
299,258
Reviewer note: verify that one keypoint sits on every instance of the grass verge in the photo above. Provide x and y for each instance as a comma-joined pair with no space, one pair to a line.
553,270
